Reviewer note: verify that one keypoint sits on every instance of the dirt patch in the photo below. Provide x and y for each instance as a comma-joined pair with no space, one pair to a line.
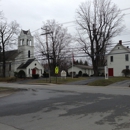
7,93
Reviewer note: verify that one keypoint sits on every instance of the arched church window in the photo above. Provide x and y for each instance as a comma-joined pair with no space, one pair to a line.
29,54
30,42
22,41
28,71
27,42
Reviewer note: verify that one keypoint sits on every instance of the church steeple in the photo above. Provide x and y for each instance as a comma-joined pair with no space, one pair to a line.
26,45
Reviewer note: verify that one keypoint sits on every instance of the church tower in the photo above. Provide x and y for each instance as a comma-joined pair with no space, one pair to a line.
26,46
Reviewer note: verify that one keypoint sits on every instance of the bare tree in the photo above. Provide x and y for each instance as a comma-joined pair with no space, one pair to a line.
54,46
7,38
98,21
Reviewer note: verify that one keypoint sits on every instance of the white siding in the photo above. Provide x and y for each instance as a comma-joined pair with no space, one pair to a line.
34,64
119,63
77,69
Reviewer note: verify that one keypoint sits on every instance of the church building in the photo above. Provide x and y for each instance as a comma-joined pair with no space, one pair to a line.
23,60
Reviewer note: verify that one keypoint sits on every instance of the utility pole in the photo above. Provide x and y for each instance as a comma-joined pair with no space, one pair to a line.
48,56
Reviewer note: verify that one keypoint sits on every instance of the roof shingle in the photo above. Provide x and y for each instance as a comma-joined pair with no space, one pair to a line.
23,66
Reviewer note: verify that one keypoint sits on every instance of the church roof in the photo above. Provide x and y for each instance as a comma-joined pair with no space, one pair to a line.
28,62
11,55
25,32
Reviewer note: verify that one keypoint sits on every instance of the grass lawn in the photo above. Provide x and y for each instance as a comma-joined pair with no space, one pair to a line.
59,80
9,79
105,82
6,89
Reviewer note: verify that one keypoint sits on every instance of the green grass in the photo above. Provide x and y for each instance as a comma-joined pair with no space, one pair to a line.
101,82
105,82
9,79
59,80
7,89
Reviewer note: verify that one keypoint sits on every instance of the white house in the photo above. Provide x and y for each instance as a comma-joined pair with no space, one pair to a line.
76,69
23,58
118,59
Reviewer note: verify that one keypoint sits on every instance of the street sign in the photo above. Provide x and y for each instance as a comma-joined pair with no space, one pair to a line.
56,70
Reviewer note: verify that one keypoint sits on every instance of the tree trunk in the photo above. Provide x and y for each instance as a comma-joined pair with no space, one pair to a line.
95,66
95,69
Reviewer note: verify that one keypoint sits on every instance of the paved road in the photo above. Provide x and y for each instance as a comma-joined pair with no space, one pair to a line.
65,107
125,83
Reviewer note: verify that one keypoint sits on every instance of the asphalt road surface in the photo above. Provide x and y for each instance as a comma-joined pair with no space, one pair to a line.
64,107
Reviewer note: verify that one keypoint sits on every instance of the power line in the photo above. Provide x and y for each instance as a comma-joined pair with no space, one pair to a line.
125,9
68,22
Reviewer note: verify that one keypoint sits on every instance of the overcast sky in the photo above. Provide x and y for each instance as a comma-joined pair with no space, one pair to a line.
31,14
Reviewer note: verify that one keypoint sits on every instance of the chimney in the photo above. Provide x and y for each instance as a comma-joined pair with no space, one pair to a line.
120,42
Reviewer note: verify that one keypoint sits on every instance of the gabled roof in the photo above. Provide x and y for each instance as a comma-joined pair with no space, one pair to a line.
28,62
11,55
118,44
25,32
82,67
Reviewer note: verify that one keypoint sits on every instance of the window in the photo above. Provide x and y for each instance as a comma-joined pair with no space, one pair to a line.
127,67
28,71
9,66
27,42
111,58
28,54
21,42
126,57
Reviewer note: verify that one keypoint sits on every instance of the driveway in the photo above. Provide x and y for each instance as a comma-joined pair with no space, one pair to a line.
125,83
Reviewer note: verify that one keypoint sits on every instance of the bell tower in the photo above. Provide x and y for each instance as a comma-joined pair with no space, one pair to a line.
26,45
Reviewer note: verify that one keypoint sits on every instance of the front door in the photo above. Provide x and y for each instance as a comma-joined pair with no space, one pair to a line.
33,71
110,71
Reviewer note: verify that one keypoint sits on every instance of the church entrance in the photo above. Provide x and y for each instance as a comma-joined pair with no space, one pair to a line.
33,71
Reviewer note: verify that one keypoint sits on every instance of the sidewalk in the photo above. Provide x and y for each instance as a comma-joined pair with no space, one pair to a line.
7,127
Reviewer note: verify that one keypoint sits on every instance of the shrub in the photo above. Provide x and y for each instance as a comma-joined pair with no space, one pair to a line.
46,75
85,75
80,73
102,74
76,76
16,74
21,74
126,72
35,76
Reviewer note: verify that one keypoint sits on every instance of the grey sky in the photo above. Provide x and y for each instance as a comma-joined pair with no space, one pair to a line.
30,14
